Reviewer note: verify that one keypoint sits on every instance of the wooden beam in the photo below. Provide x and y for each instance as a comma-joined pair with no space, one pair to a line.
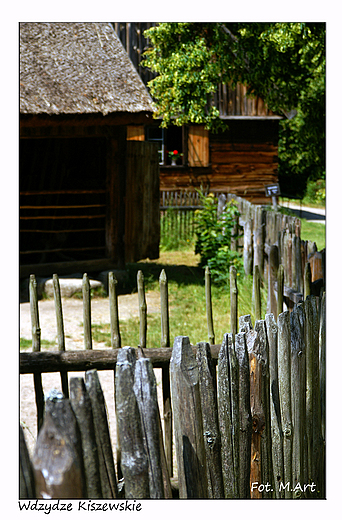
81,360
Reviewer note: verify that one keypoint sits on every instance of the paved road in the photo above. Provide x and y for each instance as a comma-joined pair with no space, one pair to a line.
310,214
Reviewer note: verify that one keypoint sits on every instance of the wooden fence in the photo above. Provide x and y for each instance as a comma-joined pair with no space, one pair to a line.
248,415
269,239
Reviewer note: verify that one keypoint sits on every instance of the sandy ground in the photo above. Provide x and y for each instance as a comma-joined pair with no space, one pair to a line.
73,330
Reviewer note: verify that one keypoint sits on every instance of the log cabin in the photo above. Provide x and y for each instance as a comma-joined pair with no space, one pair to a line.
89,196
242,160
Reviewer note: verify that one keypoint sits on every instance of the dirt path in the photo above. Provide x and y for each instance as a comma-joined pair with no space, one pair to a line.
73,329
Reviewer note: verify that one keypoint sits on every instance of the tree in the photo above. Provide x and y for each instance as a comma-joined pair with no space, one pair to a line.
284,63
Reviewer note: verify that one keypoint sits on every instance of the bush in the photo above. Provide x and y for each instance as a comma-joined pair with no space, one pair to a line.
315,192
214,235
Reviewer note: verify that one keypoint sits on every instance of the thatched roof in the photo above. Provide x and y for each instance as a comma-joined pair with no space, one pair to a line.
77,68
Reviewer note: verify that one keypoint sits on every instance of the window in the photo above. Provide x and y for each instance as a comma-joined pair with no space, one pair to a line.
191,143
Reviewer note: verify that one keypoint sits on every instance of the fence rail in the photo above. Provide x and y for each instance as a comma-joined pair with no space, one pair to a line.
253,427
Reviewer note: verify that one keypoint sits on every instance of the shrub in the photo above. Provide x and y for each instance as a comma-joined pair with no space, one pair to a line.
213,238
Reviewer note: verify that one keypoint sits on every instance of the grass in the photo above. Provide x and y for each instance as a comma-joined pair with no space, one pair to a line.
313,231
187,307
26,344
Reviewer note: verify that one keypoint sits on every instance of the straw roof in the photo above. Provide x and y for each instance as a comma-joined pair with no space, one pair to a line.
77,68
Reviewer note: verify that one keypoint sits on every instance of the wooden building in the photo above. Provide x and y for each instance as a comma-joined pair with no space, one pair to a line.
89,198
242,160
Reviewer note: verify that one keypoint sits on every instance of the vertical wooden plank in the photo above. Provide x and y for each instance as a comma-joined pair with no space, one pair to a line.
211,432
115,336
256,293
307,280
145,390
209,308
57,459
187,414
284,374
135,133
26,476
280,290
233,300
322,384
248,247
81,405
165,343
297,322
37,378
104,445
245,422
134,461
228,414
142,309
60,330
86,312
273,264
275,411
116,228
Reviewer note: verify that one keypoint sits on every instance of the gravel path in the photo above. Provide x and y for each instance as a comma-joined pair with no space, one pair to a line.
73,330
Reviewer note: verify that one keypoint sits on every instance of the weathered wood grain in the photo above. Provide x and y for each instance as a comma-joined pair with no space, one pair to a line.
298,390
284,375
188,426
81,405
57,458
86,312
115,336
37,378
60,329
256,292
233,300
245,422
228,415
145,390
103,441
142,309
134,461
26,476
211,432
209,307
275,412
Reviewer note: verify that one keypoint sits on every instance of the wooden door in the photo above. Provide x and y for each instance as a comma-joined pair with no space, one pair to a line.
142,218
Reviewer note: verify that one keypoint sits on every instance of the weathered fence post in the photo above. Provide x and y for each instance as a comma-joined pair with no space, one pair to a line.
145,390
211,432
26,477
142,309
228,414
60,330
248,246
188,421
115,336
273,264
37,377
165,343
256,293
81,406
86,312
284,374
259,238
245,422
280,290
297,323
322,382
209,308
307,280
57,459
313,401
134,463
104,445
233,300
275,412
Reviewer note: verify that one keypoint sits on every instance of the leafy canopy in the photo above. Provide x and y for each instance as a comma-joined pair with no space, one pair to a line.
284,63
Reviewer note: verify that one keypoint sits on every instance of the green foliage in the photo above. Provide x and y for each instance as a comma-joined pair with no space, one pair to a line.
175,235
214,234
284,63
315,193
